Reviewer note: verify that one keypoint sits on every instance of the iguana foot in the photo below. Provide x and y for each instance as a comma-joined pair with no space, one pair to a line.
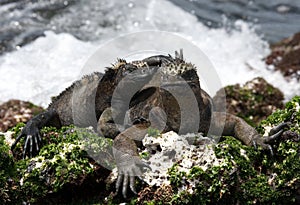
266,141
129,168
31,133
33,140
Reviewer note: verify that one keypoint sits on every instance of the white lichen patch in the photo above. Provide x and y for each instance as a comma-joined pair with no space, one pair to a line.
252,84
244,154
8,137
170,148
267,130
112,178
297,107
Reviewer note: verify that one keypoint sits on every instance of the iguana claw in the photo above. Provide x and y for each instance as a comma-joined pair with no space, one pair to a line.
266,141
127,171
33,140
31,133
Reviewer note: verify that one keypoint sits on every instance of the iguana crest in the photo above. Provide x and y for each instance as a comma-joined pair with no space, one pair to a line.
177,68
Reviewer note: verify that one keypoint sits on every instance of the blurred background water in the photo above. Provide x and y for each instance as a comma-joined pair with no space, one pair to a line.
276,19
23,20
44,44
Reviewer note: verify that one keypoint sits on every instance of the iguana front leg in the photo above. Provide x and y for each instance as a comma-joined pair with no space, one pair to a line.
231,125
127,159
124,149
106,125
31,132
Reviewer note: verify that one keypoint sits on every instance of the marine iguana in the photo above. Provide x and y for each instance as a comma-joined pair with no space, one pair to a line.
135,96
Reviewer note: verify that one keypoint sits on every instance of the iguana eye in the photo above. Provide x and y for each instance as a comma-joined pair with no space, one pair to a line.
130,68
126,72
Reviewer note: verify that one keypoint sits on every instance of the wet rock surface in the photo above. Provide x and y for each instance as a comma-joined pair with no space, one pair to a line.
170,148
208,173
285,57
253,101
14,111
163,193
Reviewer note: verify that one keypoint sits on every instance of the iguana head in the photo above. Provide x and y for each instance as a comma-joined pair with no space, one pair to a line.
133,73
172,73
170,70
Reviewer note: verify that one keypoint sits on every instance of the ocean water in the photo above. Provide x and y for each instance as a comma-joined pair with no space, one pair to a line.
45,44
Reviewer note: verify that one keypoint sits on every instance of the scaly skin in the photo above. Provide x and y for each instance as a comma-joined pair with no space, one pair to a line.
81,103
160,91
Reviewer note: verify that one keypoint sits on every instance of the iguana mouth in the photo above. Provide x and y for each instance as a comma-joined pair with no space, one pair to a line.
142,73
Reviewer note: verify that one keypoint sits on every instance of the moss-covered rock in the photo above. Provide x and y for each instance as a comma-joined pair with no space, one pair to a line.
8,190
290,114
244,175
66,171
63,171
253,101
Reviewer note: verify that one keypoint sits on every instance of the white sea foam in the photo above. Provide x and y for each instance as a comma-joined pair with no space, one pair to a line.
48,65
43,68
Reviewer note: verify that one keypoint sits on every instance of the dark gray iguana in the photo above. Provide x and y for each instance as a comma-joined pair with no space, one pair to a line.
151,92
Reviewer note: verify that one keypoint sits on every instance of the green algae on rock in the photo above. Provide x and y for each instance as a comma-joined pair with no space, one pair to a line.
7,172
232,174
253,101
291,114
245,175
62,166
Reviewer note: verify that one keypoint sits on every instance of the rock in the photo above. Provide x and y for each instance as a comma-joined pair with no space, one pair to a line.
288,146
14,111
208,172
169,148
62,172
164,193
285,57
242,175
291,114
6,163
253,101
